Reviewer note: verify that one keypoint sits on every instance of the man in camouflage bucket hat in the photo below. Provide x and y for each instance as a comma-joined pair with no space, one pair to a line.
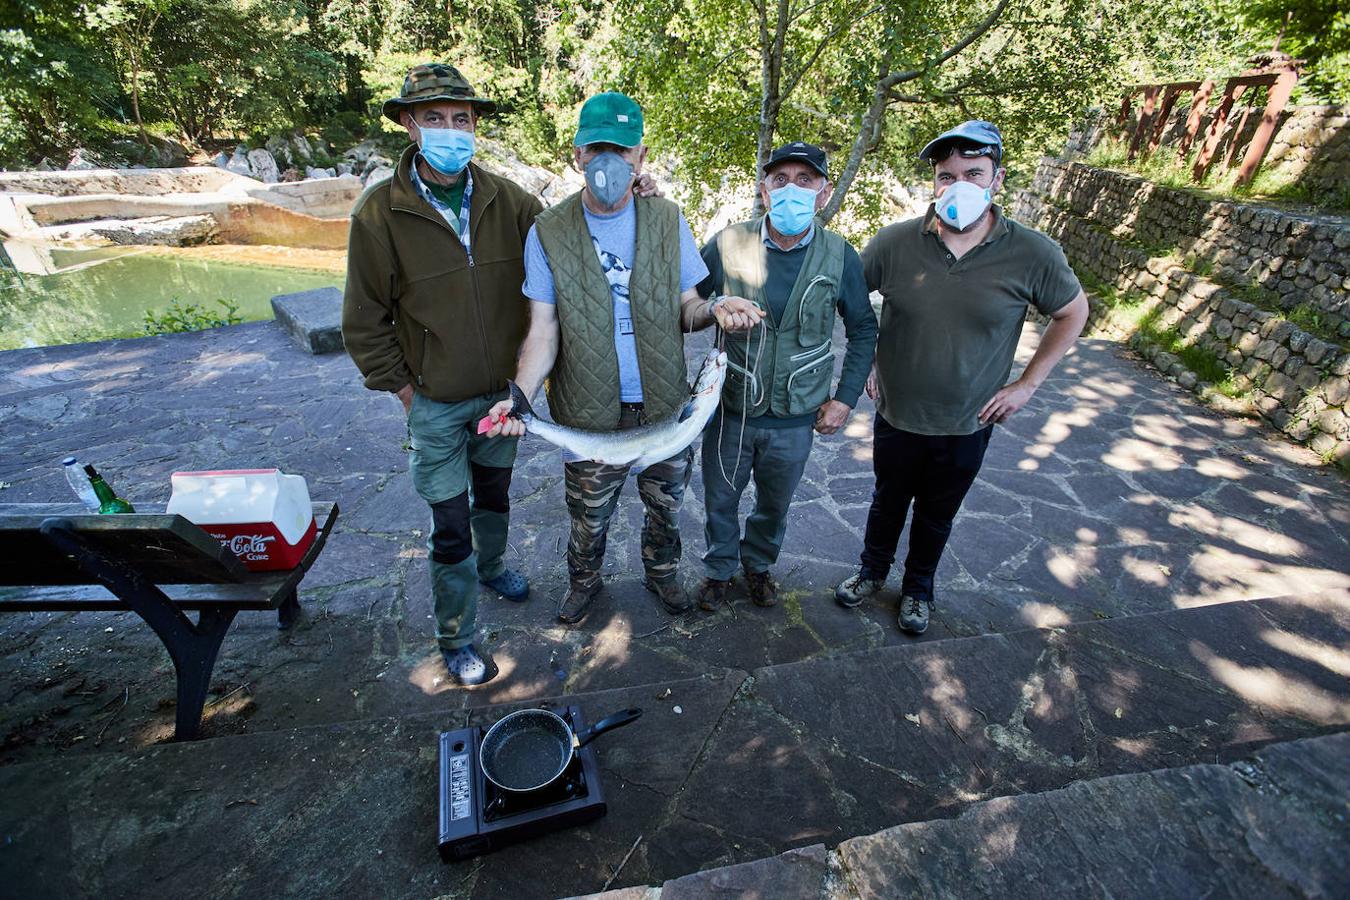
433,314
434,81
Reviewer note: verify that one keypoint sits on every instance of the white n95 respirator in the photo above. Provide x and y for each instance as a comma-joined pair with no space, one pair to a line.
962,204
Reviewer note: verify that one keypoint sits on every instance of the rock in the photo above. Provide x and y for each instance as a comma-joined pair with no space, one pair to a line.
303,152
344,168
376,161
312,318
377,174
221,161
264,166
280,148
83,159
315,172
170,231
292,174
361,152
238,163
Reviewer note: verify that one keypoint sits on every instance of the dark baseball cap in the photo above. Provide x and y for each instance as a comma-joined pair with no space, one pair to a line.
429,82
801,152
977,131
610,118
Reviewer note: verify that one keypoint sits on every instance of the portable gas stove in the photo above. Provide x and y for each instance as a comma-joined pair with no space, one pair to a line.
478,817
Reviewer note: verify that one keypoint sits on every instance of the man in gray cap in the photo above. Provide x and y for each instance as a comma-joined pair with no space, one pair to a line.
433,314
778,385
956,284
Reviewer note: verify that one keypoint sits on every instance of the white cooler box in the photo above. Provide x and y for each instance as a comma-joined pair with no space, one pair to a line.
263,516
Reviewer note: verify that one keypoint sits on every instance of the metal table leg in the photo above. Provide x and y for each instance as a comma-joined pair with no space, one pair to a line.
192,647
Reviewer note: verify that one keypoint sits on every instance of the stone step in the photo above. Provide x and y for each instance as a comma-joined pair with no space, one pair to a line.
722,768
1273,825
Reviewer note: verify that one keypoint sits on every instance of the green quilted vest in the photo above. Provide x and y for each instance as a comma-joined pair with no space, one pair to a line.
783,368
583,388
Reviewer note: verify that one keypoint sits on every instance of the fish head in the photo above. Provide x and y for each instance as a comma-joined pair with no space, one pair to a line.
712,374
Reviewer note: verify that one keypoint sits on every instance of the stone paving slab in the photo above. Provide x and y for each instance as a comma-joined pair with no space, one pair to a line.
722,769
1112,494
1273,825
326,811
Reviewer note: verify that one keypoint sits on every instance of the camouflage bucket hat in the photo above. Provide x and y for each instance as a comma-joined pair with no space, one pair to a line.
435,81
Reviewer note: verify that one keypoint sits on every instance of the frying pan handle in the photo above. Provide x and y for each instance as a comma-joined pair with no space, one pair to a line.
608,723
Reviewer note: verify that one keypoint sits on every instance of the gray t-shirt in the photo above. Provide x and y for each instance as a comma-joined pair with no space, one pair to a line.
949,327
614,237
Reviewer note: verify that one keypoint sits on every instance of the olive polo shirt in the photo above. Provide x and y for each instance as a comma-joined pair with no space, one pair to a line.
949,327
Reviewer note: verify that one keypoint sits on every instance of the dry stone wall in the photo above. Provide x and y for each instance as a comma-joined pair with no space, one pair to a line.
1135,236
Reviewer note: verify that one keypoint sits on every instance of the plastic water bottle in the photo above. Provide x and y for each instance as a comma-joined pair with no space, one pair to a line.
80,484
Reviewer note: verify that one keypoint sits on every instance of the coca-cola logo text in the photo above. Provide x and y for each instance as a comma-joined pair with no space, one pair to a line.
249,546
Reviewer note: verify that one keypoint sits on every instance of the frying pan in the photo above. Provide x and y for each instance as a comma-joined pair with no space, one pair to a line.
530,748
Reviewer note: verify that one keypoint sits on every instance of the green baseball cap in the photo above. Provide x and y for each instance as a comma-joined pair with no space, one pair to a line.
610,118
435,81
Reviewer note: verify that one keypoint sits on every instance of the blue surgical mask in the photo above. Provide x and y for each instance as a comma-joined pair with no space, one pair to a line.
447,150
962,204
791,209
609,176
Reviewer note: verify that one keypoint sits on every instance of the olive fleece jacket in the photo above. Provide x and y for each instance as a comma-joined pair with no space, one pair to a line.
419,310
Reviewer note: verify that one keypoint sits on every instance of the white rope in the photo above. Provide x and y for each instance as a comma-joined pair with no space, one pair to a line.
750,372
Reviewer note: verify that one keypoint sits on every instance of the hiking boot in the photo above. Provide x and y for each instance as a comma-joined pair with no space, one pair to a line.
575,604
673,597
855,590
468,667
914,614
761,587
712,592
510,584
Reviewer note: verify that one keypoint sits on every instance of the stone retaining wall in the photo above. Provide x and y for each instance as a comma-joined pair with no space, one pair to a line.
1295,380
1301,259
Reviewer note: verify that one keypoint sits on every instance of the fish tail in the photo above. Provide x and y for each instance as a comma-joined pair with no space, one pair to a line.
520,404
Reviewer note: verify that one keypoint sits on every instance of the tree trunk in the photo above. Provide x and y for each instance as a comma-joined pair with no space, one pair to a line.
771,74
871,126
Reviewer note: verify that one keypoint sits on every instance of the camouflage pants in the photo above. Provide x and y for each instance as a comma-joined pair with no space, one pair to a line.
592,496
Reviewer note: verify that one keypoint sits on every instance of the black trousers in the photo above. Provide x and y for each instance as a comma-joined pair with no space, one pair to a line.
933,472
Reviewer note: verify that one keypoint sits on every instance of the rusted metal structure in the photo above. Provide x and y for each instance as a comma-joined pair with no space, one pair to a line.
1274,71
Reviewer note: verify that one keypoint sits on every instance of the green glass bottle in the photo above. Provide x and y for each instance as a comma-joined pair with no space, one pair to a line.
108,501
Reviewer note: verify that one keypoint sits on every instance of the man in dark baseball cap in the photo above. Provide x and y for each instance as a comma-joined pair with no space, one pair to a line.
801,275
433,314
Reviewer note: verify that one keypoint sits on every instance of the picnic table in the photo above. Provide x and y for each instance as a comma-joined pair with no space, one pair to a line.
57,557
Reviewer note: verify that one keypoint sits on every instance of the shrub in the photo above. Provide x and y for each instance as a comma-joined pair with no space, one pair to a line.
181,317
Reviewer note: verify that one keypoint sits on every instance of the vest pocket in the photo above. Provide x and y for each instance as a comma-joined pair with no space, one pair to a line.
815,313
809,384
743,389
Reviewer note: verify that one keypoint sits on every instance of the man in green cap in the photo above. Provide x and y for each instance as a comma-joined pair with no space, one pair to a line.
611,280
434,315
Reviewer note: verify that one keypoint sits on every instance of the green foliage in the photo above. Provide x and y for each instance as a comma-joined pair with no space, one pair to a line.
1315,30
181,317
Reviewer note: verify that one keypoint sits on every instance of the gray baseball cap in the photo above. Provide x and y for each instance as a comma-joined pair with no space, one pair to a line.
976,131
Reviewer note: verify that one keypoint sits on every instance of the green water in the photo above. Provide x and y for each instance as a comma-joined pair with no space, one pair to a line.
109,297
